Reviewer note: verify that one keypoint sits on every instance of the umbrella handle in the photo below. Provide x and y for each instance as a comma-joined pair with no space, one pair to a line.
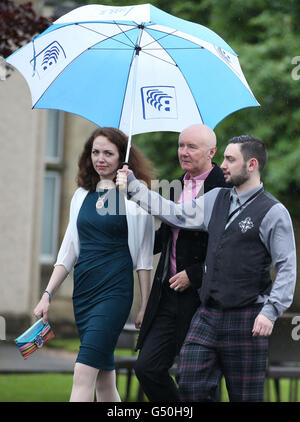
123,187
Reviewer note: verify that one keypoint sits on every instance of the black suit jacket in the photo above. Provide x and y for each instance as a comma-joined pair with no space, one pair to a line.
190,254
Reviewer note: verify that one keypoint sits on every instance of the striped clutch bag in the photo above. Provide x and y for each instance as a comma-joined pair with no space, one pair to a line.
34,338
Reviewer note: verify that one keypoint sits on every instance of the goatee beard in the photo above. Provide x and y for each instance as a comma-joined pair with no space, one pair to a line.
239,179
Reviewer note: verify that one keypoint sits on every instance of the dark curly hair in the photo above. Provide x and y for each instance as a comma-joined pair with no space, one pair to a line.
87,176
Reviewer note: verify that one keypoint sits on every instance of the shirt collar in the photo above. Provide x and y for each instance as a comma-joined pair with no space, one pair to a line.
202,176
243,197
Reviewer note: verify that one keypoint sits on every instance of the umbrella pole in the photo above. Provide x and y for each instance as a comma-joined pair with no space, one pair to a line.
133,94
135,64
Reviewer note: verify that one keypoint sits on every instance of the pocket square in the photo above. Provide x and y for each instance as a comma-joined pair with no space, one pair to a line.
34,338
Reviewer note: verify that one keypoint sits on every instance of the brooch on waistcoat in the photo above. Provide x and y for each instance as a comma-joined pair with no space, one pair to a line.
246,224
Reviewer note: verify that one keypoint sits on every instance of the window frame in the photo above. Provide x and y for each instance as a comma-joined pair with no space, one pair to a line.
48,258
53,167
60,133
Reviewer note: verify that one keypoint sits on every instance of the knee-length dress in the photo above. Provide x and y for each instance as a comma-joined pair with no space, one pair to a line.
103,282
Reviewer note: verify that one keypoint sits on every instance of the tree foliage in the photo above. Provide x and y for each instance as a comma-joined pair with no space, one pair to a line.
265,35
18,24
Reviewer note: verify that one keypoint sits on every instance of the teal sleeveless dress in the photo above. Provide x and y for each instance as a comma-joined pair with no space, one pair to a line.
103,281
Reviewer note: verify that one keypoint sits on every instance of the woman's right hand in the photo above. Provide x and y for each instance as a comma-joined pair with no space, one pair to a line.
42,308
122,175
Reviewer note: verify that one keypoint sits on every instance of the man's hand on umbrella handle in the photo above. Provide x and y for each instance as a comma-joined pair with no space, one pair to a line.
122,175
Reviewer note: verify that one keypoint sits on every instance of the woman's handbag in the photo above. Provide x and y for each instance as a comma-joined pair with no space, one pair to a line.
34,338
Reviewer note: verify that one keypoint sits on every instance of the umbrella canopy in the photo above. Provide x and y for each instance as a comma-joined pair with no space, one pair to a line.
136,67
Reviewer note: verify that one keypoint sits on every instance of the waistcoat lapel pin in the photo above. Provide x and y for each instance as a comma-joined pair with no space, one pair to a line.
246,224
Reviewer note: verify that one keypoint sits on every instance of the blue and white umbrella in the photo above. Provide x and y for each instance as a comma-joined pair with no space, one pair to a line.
136,67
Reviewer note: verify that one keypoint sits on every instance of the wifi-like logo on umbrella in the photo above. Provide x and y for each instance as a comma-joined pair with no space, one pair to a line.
158,99
52,55
48,58
159,102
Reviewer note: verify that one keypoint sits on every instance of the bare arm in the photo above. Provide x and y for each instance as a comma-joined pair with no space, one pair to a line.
145,287
59,274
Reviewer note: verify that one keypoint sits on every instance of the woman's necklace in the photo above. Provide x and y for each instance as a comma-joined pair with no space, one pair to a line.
101,200
102,185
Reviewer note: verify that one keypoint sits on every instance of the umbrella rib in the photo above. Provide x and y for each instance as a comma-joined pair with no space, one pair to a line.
159,58
164,36
178,36
107,37
110,49
165,49
123,32
186,83
89,48
177,48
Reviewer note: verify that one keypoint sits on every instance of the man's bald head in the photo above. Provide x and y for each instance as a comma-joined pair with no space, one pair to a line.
203,133
196,148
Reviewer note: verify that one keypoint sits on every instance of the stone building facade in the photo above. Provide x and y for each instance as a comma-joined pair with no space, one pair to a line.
38,167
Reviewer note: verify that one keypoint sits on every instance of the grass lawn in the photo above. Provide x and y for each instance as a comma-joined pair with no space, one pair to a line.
57,387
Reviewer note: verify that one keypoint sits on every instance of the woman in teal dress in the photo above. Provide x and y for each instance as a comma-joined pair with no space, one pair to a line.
106,238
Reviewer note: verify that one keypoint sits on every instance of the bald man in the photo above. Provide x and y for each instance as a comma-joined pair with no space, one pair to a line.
174,298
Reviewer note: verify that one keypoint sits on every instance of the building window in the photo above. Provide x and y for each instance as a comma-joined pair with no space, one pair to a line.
54,137
51,202
52,186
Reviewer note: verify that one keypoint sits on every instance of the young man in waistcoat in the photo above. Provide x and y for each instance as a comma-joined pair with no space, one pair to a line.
249,230
174,298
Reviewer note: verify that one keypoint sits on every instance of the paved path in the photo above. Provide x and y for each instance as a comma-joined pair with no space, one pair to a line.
44,360
49,359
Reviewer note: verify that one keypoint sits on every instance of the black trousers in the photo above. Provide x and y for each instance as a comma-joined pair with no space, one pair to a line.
159,351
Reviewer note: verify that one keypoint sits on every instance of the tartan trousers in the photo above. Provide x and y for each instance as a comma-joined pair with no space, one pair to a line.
220,342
